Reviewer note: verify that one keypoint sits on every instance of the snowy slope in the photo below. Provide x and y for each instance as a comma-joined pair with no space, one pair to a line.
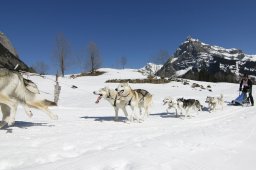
86,138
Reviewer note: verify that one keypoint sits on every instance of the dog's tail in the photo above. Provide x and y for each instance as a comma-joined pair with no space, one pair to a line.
49,103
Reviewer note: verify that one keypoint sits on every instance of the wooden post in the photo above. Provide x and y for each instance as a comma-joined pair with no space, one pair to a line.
57,89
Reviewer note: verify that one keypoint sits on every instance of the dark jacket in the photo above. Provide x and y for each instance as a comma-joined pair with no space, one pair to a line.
246,88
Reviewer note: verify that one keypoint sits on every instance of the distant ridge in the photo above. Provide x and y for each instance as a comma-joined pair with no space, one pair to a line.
199,61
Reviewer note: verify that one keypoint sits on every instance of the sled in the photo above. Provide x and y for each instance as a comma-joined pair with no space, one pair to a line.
241,100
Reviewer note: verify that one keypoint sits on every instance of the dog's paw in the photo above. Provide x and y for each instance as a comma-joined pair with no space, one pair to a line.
11,121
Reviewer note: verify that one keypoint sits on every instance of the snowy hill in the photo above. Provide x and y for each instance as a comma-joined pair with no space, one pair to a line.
194,55
86,138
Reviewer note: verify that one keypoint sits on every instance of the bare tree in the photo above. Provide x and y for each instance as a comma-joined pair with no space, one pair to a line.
62,52
40,67
81,61
94,59
123,61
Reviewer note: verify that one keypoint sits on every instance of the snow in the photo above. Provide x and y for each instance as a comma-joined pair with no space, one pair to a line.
250,58
182,72
150,69
173,59
86,138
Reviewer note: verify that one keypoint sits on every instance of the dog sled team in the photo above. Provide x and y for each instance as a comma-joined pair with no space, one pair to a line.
15,89
124,96
140,99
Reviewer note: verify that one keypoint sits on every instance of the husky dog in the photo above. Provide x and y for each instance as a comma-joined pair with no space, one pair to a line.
172,103
112,97
14,90
213,101
135,98
187,104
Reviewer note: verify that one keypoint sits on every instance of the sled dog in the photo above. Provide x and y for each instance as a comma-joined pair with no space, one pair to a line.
14,90
188,104
111,96
172,103
214,101
136,98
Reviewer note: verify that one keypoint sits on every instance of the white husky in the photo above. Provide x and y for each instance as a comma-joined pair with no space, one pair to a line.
214,101
14,90
112,97
135,98
172,103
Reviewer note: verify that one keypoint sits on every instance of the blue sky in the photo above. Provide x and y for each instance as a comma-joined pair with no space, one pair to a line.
136,29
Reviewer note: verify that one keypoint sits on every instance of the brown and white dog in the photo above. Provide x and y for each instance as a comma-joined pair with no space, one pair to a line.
14,90
136,98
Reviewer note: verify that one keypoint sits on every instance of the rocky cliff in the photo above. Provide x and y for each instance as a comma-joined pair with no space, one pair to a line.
8,55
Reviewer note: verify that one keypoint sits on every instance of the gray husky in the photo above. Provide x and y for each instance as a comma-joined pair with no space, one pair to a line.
14,90
135,98
188,104
112,97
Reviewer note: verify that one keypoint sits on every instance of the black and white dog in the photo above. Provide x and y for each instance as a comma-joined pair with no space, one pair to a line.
187,104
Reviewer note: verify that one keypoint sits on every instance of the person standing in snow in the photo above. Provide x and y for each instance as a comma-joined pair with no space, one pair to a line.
246,86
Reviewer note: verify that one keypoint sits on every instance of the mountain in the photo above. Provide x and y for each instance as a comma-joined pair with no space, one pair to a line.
8,55
7,44
197,60
150,69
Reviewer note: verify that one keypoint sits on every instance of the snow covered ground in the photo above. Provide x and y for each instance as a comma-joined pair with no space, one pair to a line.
86,138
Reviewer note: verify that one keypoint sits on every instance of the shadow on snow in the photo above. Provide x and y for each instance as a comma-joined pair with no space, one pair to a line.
105,118
23,125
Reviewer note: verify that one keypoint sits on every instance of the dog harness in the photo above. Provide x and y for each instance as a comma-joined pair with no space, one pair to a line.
115,99
142,92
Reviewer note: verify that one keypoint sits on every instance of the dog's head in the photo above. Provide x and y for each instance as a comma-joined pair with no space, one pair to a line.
103,92
167,100
123,89
209,99
180,99
180,102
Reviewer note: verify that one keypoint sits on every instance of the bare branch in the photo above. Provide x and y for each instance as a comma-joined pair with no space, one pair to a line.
62,53
94,59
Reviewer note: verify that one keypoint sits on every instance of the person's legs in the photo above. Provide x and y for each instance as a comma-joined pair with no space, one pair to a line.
251,99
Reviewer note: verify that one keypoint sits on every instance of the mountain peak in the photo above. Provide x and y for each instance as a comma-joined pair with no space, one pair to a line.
197,55
7,44
191,39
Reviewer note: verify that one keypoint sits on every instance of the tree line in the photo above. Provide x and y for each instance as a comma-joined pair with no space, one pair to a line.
63,59
90,61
